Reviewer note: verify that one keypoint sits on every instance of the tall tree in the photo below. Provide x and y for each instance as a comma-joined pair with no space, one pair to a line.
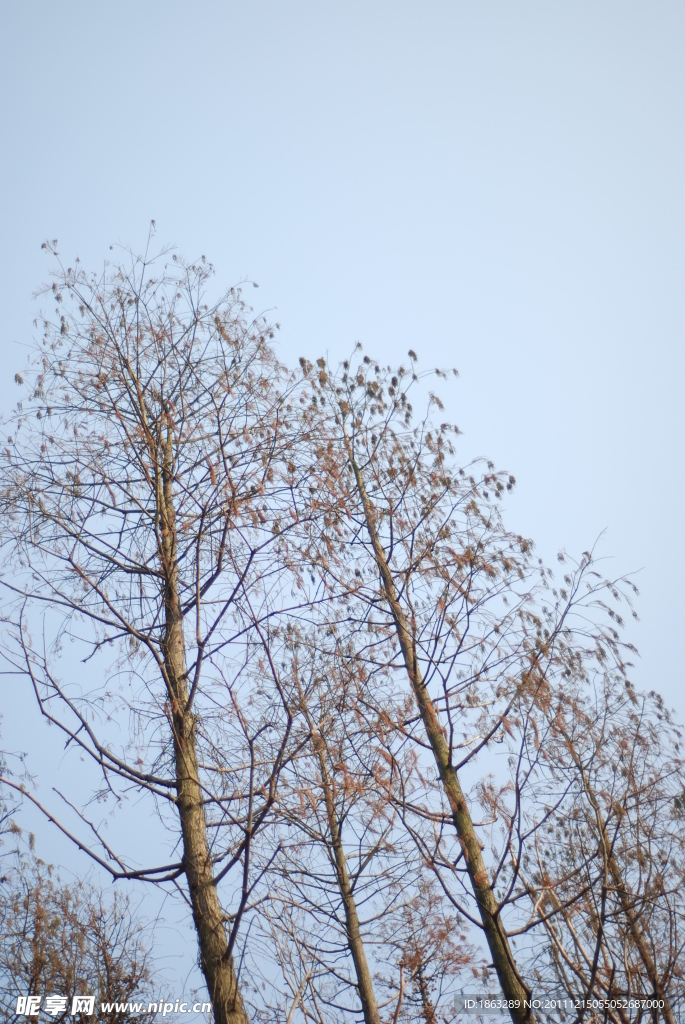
445,596
137,477
433,565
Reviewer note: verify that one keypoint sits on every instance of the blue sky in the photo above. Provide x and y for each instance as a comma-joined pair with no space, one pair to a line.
498,186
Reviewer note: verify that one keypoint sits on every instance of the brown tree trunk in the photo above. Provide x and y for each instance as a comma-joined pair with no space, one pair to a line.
512,985
217,966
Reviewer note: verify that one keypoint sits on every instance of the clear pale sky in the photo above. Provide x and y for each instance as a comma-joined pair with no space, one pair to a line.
496,185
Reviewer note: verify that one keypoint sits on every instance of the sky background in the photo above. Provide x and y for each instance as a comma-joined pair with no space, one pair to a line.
498,186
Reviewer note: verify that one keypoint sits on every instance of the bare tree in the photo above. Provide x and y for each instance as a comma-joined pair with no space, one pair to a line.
331,885
345,785
607,871
71,938
434,567
143,485
444,595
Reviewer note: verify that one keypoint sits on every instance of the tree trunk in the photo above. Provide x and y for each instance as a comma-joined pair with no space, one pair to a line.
512,985
217,966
